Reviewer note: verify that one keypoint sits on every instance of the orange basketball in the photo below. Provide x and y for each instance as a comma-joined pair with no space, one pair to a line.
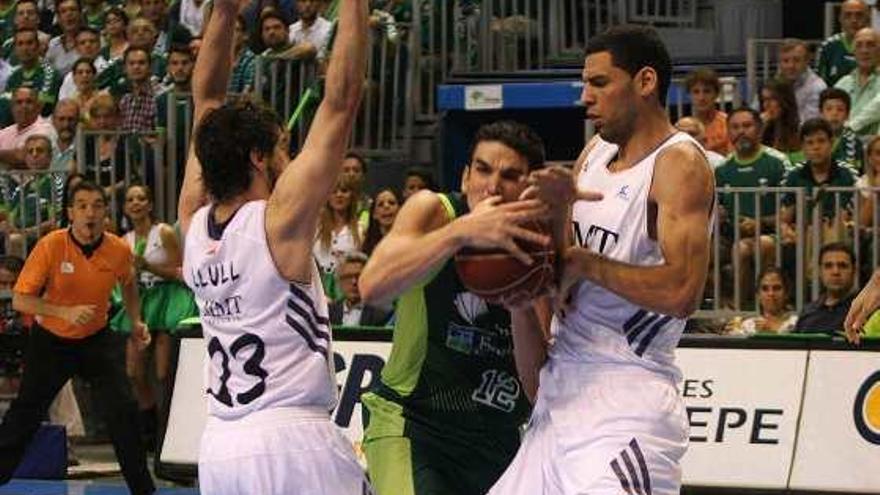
496,274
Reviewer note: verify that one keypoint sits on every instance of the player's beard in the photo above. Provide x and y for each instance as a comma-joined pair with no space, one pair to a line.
621,129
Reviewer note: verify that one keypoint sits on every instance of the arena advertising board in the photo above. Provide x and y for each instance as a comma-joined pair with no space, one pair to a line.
743,410
839,441
747,426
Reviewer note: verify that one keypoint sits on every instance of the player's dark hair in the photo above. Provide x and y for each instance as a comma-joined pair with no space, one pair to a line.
828,94
519,137
181,49
224,140
88,29
118,12
633,48
818,124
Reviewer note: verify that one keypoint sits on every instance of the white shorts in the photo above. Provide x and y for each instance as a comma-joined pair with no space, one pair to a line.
282,451
600,432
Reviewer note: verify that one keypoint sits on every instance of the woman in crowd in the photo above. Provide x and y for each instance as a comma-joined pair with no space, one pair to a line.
165,300
338,233
775,314
84,78
115,41
779,112
382,214
870,179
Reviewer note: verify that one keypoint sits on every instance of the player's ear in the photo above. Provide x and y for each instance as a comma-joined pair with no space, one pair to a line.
647,81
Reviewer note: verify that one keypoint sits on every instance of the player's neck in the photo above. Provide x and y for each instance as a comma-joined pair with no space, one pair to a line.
223,211
650,132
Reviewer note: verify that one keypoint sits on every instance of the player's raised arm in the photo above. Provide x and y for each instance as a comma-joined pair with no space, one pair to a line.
210,80
683,191
302,189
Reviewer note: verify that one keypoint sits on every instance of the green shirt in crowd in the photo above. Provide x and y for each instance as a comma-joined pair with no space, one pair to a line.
835,59
767,168
840,175
42,78
848,148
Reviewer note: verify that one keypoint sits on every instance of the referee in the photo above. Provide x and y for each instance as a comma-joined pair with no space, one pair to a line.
66,283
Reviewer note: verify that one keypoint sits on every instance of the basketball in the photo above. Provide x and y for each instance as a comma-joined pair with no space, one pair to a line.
496,275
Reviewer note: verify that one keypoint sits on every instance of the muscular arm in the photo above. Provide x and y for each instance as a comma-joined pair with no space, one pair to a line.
683,191
421,239
302,189
210,79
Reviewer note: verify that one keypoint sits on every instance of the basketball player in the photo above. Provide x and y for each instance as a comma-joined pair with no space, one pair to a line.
608,419
445,416
247,258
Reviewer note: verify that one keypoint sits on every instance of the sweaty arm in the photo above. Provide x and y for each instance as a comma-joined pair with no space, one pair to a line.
683,192
209,83
295,205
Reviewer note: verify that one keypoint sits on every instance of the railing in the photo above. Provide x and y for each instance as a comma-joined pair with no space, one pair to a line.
832,12
762,58
32,200
486,36
384,125
677,13
115,159
815,218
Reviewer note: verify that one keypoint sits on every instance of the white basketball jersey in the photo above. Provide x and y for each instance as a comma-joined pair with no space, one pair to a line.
601,327
268,339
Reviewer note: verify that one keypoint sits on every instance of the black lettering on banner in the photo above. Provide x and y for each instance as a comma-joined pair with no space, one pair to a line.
758,424
361,364
699,424
707,389
252,367
723,413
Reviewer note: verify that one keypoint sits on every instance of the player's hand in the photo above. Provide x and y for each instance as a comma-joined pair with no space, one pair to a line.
862,307
140,335
555,186
493,224
80,314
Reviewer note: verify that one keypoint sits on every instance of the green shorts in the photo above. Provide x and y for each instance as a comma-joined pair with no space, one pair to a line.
417,460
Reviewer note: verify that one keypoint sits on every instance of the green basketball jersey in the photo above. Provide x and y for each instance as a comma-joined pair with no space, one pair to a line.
451,367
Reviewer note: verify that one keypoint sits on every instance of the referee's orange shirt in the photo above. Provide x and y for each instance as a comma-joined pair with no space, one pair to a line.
58,270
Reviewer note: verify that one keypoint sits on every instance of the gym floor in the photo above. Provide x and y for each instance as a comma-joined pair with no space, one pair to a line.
97,474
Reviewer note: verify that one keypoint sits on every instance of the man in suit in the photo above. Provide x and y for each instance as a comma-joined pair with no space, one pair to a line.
351,310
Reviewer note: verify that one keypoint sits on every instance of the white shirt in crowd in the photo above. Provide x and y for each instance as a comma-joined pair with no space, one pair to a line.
318,34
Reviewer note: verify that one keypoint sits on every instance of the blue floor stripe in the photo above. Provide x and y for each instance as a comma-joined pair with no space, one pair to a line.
35,487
